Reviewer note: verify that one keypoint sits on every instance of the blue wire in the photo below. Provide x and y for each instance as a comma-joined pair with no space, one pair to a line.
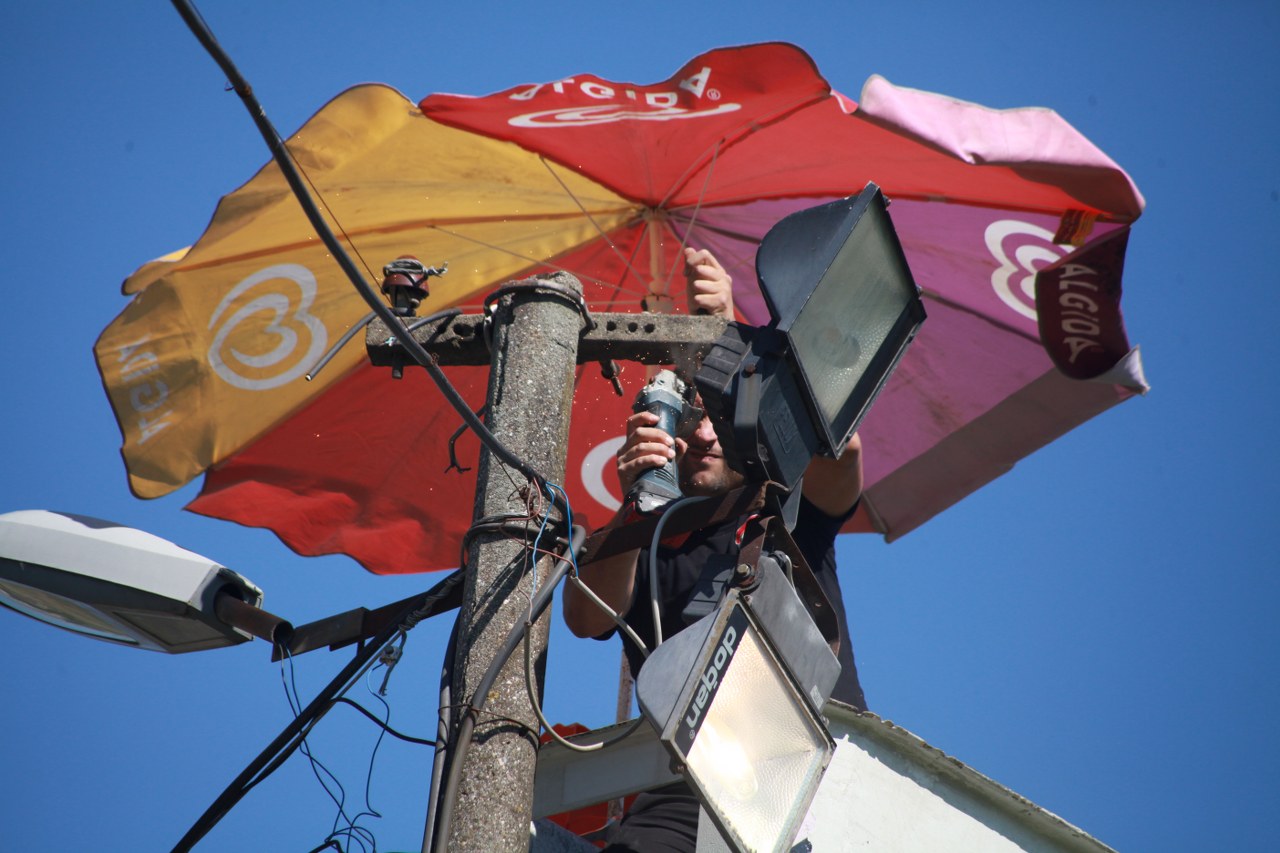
546,516
568,520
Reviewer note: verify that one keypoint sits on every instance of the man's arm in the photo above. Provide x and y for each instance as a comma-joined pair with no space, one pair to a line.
614,579
834,485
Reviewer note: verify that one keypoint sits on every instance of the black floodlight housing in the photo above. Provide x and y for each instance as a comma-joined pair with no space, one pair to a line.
844,307
115,583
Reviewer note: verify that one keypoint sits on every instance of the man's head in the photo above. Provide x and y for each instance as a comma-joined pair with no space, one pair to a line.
703,468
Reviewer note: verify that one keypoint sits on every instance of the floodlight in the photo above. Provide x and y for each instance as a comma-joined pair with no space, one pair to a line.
126,586
844,307
734,698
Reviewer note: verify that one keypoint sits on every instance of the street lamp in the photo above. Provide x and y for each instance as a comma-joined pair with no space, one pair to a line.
122,585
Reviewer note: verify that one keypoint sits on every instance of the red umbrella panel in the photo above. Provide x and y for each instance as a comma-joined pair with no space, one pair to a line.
1013,223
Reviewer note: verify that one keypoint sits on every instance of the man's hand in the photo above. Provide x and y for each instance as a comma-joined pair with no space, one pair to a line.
710,288
645,447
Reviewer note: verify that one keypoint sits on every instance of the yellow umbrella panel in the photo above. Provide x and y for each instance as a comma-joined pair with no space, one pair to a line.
214,348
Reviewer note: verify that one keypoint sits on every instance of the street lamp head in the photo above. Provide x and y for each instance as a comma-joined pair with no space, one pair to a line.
114,583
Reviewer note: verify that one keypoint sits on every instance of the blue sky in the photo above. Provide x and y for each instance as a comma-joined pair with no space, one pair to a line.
1097,630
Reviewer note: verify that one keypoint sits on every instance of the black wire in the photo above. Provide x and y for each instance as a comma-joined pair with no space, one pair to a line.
466,725
295,706
329,844
284,744
322,702
514,523
444,725
290,171
431,318
668,512
353,826
342,700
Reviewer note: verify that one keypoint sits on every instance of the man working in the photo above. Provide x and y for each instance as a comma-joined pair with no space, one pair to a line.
667,819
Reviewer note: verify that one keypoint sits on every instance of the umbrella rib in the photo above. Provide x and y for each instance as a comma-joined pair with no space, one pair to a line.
741,133
896,195
283,248
723,231
693,218
532,261
618,286
609,242
315,191
933,295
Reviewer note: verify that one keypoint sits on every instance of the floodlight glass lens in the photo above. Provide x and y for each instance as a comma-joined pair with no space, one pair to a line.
847,320
759,753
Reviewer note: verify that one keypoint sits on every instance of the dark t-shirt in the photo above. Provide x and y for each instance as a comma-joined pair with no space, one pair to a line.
679,569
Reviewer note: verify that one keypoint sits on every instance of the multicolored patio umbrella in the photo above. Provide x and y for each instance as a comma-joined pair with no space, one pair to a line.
206,365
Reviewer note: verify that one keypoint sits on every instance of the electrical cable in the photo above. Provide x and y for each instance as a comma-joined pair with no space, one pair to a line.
667,512
511,523
444,724
542,286
322,703
300,738
622,626
286,742
532,555
534,700
293,177
354,831
547,725
612,614
341,342
362,323
329,844
467,722
295,706
398,735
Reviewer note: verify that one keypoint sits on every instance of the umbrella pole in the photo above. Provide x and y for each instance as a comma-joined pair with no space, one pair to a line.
529,402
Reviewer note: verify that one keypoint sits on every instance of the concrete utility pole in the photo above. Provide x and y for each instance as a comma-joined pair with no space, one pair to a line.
537,341
535,347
